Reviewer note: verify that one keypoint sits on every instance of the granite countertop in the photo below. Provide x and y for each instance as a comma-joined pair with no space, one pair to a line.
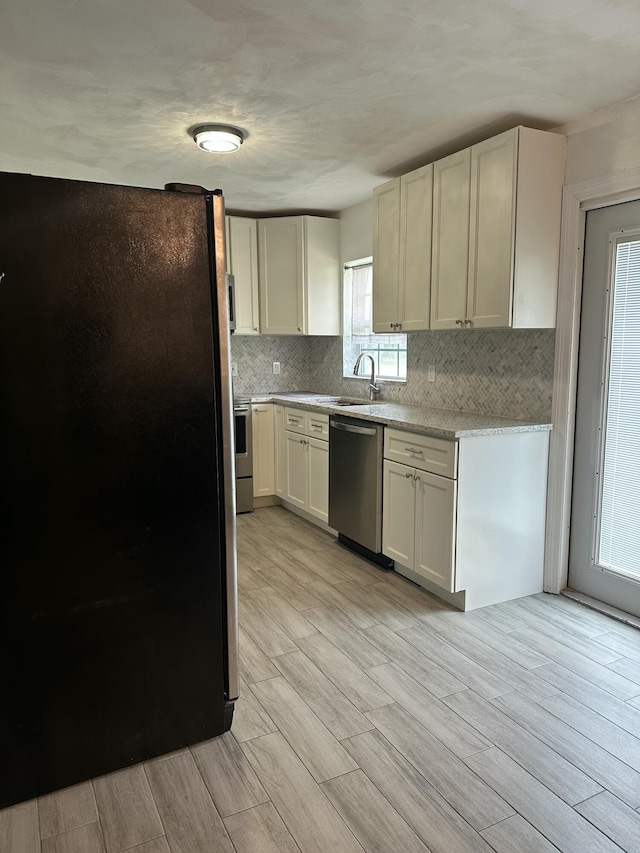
445,423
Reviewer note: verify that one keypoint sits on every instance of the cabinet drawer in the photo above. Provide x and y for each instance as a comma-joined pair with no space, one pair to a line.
318,426
437,455
294,420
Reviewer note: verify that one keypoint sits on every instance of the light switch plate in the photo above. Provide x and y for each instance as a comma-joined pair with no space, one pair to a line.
276,367
431,373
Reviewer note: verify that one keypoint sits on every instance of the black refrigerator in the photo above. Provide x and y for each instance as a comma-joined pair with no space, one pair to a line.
118,598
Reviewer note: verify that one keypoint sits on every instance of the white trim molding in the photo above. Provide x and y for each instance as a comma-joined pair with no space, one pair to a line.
577,199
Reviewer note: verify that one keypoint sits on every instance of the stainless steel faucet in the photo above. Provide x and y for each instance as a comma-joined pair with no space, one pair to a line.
374,389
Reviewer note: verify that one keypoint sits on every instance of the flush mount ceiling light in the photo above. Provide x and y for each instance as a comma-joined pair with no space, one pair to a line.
218,138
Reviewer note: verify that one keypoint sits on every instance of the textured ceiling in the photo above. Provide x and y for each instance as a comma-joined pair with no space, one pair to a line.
335,95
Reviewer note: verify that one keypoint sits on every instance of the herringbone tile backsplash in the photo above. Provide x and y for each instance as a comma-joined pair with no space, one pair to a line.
507,373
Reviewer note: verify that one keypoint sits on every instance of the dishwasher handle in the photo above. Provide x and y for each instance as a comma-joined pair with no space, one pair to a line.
351,428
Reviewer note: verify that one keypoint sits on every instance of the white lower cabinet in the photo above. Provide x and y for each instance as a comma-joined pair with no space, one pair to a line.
474,531
302,460
419,522
280,452
398,513
307,474
262,444
318,470
435,529
296,467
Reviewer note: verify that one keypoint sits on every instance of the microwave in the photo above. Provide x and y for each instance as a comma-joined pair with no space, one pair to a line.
231,300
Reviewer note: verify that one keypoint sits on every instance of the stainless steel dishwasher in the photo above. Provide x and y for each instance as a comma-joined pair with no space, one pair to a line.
355,485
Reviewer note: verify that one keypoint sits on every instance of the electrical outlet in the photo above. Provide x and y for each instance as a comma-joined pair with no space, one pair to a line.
234,368
431,373
276,367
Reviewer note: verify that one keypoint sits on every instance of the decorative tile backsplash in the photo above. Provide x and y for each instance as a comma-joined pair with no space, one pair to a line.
254,356
508,373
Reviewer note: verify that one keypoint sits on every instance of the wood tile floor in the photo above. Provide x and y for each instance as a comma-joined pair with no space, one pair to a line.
375,718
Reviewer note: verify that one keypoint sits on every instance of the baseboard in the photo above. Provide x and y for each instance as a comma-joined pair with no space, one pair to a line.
266,500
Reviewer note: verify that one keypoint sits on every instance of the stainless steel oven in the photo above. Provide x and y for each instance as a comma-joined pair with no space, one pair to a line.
244,455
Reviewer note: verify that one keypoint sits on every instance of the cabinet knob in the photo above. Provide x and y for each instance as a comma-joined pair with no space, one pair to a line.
393,325
408,476
299,328
416,477
459,322
255,329
468,322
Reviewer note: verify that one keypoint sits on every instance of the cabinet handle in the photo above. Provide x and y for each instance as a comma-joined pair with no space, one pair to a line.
316,427
398,325
392,325
468,322
256,329
299,328
413,451
416,477
408,476
459,322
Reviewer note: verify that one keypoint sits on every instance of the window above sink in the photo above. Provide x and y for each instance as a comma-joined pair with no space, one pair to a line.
389,351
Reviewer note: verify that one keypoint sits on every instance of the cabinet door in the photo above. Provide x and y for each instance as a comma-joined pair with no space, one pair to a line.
435,529
280,275
450,247
263,450
242,250
322,276
414,294
398,513
318,472
296,469
280,453
491,231
386,255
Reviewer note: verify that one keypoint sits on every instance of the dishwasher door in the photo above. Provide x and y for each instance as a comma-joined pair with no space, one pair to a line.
355,480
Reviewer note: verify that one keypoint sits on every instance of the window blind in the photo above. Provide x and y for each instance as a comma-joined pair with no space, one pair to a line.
619,540
361,301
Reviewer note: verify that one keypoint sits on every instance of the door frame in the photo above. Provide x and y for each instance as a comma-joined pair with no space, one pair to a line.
577,199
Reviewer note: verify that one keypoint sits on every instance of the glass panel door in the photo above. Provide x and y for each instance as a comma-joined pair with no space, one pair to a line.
604,557
618,545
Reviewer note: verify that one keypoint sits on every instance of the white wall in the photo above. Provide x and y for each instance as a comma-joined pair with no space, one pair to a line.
356,231
604,144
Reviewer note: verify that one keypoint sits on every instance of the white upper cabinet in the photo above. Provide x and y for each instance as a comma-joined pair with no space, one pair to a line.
402,252
242,263
491,231
299,273
450,247
496,232
386,255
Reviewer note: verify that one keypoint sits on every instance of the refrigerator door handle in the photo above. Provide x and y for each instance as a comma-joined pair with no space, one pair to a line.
228,452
